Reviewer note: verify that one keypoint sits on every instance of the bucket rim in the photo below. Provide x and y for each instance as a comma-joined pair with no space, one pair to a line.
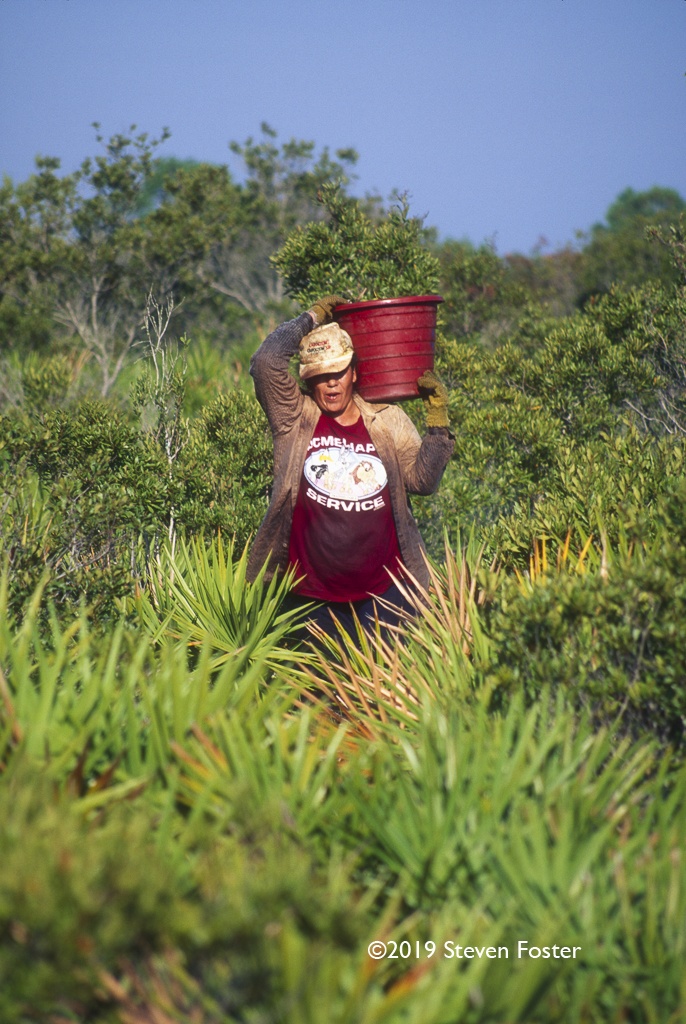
402,300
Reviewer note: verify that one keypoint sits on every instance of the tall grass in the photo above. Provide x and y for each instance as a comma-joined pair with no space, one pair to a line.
196,834
199,595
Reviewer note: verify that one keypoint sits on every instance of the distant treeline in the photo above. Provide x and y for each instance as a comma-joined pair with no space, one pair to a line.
80,252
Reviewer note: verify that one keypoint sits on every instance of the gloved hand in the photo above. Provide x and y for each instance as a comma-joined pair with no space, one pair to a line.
322,310
435,398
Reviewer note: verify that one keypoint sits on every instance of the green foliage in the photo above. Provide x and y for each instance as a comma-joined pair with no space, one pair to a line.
202,597
622,251
46,382
673,238
203,821
204,226
285,180
188,844
73,893
225,470
222,233
612,637
211,372
481,296
354,255
82,903
162,171
105,708
75,250
85,249
33,222
78,486
662,204
484,292
589,428
549,279
609,485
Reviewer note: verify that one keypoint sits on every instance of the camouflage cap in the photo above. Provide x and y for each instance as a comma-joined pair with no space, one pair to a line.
326,349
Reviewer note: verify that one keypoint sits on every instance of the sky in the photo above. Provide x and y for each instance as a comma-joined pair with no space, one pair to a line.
515,122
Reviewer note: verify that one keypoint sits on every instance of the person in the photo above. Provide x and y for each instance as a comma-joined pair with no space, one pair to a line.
343,469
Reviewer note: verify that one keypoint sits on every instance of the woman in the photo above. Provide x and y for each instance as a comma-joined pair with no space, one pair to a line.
343,469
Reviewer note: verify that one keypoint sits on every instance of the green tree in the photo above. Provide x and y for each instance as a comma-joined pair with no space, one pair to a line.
75,251
481,294
357,252
223,232
550,279
657,204
164,169
281,188
621,251
81,252
34,227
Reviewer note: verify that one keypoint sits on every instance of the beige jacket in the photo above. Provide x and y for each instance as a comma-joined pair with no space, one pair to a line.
413,465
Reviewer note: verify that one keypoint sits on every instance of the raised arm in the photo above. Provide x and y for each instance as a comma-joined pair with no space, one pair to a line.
277,390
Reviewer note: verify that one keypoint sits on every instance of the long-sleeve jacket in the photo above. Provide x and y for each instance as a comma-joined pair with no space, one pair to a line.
413,465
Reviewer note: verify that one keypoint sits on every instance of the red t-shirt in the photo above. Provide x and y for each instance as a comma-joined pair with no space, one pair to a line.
343,537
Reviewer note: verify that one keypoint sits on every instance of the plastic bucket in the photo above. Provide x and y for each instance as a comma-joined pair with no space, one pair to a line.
394,341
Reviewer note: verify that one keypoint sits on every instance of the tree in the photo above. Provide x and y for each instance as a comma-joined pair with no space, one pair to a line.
480,291
280,191
84,250
223,232
620,251
76,250
34,225
357,254
164,169
550,279
662,205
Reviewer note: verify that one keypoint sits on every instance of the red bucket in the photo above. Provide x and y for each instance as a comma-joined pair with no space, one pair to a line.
394,341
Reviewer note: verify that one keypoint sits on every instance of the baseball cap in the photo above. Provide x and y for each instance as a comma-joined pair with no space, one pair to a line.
326,349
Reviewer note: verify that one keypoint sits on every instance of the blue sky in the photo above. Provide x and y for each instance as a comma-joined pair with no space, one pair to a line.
506,120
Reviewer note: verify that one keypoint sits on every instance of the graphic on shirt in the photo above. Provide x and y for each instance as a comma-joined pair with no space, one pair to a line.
344,473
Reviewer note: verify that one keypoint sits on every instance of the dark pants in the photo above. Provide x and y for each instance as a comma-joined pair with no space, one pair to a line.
366,611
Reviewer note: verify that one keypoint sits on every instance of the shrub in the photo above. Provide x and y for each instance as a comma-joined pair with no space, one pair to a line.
614,639
225,470
353,255
80,486
590,427
88,486
237,857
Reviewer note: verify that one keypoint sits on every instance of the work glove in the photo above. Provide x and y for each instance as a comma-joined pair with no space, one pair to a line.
435,398
321,311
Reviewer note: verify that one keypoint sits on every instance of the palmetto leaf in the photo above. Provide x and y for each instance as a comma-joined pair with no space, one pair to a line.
199,594
379,682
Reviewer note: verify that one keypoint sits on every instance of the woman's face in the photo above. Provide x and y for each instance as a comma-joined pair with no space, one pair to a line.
333,392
